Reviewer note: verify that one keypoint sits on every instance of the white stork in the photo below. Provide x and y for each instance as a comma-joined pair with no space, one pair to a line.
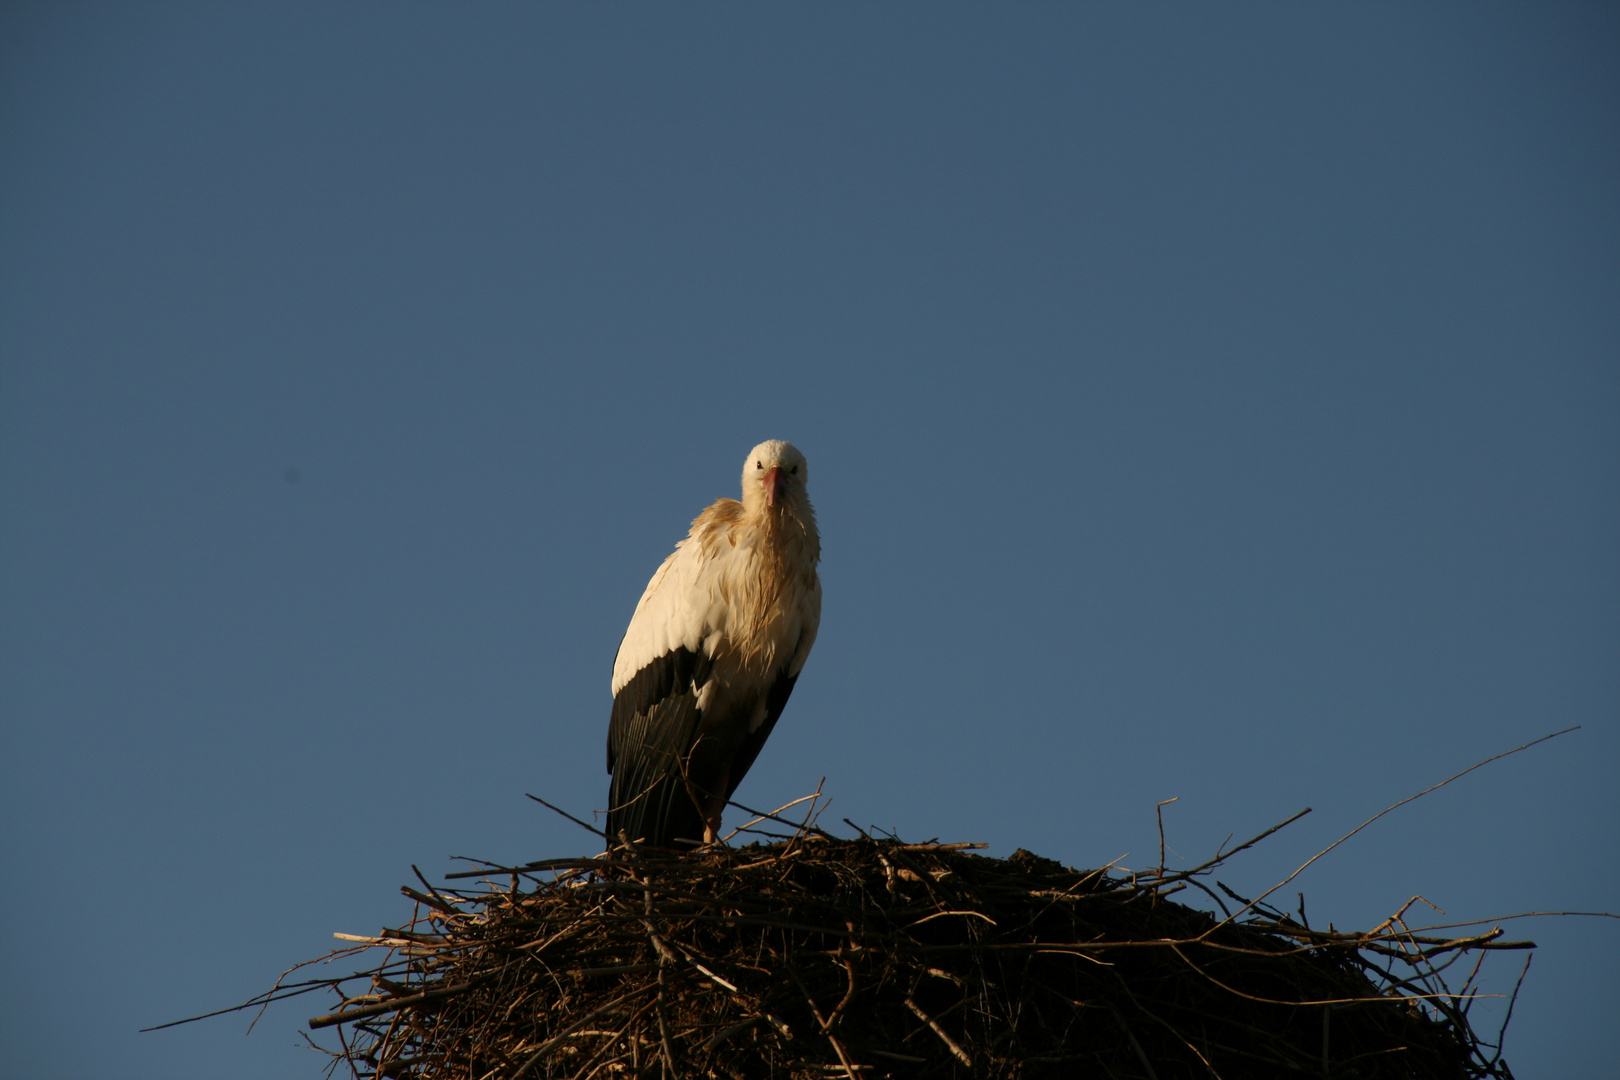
712,653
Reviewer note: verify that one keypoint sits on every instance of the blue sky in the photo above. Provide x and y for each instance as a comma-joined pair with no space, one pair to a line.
1208,402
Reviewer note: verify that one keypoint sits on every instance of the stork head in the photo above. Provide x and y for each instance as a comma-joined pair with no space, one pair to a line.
774,477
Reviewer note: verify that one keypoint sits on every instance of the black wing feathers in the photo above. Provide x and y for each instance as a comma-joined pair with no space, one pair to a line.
775,702
674,671
648,797
653,726
667,757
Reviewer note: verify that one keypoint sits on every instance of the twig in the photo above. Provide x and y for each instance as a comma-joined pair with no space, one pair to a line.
388,1006
1141,1054
1158,812
540,1052
1396,806
780,820
570,817
1501,1034
774,815
1219,859
950,1043
826,1025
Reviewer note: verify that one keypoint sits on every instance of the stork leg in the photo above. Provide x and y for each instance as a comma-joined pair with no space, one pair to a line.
717,804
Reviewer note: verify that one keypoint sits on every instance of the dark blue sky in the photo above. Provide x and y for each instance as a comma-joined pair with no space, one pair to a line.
1212,402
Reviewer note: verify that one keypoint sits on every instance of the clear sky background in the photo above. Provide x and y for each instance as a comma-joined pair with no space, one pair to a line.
1211,401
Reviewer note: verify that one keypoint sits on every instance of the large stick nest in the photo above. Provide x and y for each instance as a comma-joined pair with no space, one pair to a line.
816,956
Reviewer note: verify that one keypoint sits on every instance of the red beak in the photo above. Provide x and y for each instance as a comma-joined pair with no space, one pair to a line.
774,484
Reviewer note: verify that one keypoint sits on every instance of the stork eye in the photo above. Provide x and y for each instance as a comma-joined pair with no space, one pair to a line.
794,470
757,465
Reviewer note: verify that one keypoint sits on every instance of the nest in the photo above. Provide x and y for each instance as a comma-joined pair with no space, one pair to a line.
817,956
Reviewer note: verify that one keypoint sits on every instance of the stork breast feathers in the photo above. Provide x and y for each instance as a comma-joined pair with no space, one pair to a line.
748,605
